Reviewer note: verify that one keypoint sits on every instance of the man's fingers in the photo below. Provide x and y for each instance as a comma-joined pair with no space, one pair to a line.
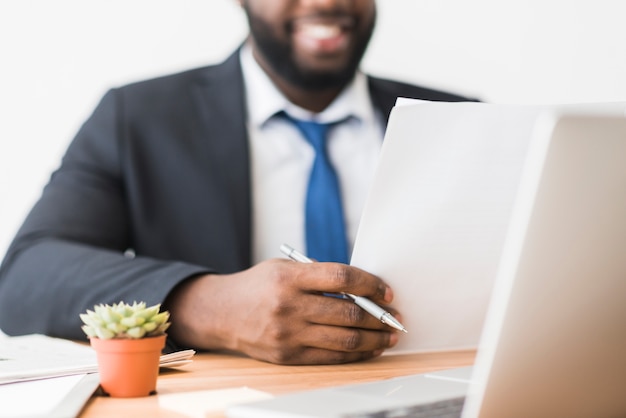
328,310
313,355
346,339
337,278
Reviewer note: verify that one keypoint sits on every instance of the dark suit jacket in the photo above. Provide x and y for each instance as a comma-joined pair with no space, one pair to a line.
161,167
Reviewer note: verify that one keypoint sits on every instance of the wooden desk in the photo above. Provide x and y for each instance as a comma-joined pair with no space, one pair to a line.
221,371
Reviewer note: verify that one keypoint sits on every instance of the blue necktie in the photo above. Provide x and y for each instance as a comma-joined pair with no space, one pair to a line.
325,227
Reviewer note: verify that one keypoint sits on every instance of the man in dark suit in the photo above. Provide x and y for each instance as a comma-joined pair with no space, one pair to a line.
177,190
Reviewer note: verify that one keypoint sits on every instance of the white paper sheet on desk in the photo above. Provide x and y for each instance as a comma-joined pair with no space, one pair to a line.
208,403
54,397
436,217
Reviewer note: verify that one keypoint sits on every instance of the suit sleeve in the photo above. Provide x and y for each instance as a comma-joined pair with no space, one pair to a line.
72,250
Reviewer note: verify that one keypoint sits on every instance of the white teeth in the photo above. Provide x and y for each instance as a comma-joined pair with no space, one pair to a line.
320,31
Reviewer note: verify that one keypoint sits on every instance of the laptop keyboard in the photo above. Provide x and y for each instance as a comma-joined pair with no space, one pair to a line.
449,408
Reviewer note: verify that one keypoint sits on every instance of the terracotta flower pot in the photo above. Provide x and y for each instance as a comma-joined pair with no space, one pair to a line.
128,368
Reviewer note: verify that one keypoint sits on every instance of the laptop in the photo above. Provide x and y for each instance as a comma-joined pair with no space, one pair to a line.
554,340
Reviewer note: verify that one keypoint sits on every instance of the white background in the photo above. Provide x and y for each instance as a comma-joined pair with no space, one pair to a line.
59,57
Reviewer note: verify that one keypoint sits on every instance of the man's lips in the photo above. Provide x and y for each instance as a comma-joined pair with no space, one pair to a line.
319,30
322,34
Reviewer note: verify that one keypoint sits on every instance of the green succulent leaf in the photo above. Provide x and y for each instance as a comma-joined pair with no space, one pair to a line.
149,312
162,328
150,326
104,334
117,328
89,331
109,315
132,321
161,318
137,332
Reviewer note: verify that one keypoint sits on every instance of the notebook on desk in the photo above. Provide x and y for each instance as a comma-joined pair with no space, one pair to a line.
554,339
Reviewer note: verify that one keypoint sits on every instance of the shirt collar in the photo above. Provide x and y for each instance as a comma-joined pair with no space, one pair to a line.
264,100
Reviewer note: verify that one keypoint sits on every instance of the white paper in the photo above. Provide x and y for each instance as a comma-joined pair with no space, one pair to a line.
199,404
33,356
437,215
53,397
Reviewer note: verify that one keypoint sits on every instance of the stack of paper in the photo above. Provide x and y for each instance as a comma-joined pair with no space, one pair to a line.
36,356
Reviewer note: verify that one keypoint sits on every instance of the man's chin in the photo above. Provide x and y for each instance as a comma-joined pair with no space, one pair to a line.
322,71
319,80
335,69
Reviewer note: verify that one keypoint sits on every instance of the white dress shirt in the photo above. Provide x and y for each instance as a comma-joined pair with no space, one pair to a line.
281,158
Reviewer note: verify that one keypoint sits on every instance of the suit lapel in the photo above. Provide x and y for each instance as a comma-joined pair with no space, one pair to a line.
381,98
219,96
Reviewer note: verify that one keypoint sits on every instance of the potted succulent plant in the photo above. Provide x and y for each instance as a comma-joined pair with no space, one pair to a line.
128,340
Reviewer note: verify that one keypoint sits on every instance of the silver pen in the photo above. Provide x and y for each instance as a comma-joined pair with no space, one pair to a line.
367,305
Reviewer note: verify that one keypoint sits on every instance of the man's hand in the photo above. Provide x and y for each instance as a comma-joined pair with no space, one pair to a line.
275,311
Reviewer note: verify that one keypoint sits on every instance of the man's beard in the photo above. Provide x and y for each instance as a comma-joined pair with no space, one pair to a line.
279,55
